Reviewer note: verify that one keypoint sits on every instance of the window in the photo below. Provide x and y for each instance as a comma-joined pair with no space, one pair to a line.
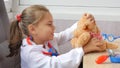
8,5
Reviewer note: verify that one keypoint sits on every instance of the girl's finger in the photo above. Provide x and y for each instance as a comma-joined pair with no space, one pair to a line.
95,40
99,44
98,48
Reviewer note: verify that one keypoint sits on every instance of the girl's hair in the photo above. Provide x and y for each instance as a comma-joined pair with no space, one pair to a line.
30,15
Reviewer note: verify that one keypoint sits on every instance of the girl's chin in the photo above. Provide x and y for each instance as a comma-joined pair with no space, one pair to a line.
51,38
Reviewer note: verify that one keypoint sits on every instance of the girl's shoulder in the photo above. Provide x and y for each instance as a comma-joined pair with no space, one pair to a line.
28,47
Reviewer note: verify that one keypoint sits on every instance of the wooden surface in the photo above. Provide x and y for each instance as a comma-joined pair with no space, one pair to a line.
89,59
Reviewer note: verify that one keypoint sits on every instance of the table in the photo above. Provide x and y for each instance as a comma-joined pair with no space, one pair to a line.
89,59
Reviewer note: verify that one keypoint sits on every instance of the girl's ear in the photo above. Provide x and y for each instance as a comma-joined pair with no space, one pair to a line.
31,29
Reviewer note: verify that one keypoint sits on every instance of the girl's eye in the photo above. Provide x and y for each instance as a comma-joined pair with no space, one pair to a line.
50,24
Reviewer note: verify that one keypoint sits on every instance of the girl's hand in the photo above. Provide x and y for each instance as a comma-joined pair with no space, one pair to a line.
93,45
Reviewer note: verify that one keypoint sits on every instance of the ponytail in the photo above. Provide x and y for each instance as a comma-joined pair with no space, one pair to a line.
15,39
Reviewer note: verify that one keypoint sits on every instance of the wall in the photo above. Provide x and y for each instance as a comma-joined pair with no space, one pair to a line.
73,9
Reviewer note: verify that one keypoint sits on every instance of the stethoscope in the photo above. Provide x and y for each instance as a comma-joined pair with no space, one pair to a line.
109,37
52,51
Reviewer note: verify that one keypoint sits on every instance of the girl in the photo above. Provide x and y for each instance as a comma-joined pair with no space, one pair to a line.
33,33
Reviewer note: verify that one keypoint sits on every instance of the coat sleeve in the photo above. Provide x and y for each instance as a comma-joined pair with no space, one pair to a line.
65,35
71,59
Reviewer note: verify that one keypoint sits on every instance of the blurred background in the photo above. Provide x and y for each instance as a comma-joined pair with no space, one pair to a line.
67,12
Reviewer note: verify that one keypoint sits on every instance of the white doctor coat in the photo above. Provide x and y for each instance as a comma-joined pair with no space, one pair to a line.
32,56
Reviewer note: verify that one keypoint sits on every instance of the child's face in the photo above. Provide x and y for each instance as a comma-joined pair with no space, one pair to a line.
45,29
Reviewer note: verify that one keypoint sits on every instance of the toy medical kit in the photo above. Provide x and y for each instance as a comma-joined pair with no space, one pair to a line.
114,58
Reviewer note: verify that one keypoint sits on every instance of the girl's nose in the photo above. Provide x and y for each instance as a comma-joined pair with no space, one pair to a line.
53,27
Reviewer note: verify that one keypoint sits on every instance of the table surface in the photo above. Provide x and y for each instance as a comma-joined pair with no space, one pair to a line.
89,59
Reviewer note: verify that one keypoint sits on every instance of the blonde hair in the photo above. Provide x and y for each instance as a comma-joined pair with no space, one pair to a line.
30,15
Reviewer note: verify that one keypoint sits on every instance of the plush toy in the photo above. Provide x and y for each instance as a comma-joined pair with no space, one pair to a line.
87,29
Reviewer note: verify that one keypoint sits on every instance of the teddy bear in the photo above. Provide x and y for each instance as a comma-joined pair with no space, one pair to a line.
87,29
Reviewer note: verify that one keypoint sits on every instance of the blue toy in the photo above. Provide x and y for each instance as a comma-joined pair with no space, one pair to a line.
53,52
115,59
109,37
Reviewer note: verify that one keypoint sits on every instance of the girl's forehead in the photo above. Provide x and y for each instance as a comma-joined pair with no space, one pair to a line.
48,17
